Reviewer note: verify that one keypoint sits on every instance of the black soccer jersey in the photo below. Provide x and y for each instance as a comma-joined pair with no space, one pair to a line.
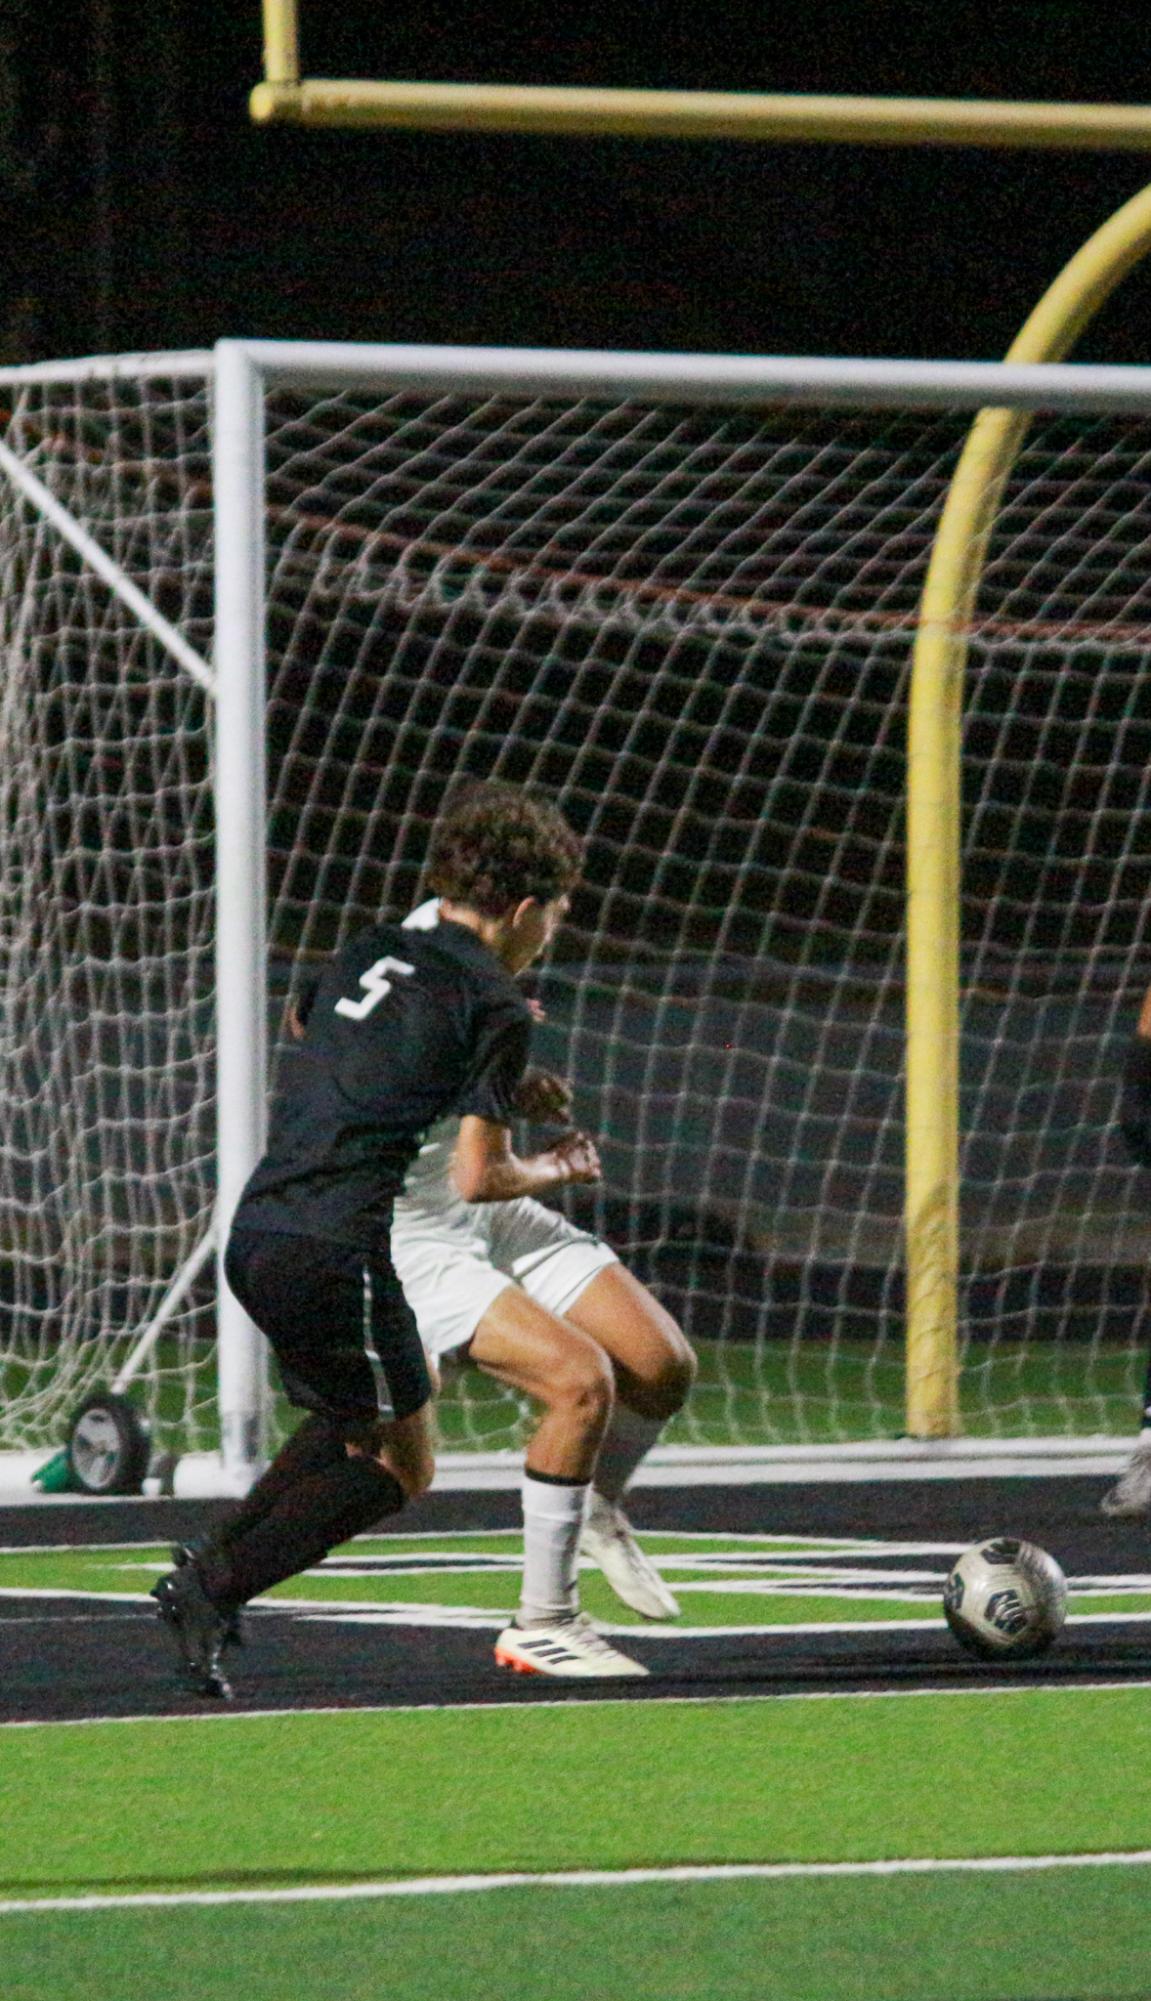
405,1028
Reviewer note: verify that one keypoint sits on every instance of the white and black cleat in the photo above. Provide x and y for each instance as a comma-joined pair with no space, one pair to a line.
570,1649
608,1540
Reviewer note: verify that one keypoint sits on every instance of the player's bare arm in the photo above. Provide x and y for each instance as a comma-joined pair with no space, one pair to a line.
486,1169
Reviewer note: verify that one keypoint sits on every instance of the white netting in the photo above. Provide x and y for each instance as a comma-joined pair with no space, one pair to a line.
106,923
693,625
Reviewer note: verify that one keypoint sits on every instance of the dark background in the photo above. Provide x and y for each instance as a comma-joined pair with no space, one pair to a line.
144,210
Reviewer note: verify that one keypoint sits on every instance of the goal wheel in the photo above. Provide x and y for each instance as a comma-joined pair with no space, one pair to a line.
108,1446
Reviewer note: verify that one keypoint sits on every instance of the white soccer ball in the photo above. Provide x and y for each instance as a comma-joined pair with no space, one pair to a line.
1005,1599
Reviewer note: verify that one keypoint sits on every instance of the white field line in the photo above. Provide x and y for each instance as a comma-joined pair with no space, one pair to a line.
233,1716
63,1591
585,1879
481,1619
476,1618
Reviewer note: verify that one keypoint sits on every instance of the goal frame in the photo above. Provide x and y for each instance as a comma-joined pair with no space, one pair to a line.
240,373
244,370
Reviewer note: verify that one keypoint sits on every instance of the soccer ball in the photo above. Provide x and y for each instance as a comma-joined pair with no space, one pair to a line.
1005,1600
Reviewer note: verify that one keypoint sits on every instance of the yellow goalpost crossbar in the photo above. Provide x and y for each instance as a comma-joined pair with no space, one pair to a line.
286,98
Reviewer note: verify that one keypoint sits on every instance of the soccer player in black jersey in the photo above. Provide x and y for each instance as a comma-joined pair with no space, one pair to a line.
405,1029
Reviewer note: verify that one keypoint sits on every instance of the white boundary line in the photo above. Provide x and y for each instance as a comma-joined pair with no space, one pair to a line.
582,1879
850,1462
393,1543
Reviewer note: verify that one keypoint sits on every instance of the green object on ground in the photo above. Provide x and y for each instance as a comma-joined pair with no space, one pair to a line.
55,1475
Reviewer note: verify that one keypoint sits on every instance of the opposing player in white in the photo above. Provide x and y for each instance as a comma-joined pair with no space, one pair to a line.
515,1289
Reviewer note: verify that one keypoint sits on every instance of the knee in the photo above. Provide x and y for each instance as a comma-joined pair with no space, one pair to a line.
680,1373
671,1384
416,1477
408,1455
584,1386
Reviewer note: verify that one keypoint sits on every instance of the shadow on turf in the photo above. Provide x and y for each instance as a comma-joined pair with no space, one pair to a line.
226,1879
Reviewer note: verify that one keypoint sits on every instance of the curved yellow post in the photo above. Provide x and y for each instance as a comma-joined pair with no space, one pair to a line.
933,815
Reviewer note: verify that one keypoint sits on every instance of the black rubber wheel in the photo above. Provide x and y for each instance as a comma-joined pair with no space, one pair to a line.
108,1446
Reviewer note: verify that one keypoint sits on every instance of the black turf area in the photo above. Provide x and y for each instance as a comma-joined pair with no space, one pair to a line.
76,1658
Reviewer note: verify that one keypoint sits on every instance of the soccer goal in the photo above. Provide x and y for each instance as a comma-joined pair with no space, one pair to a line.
261,606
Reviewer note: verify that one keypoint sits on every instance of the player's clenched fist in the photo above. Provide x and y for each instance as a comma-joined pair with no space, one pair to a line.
577,1156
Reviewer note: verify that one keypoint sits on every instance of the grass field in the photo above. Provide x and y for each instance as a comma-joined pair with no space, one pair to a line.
936,1844
265,1804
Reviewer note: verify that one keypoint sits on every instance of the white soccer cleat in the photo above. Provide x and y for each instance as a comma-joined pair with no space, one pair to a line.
1131,1494
571,1649
608,1540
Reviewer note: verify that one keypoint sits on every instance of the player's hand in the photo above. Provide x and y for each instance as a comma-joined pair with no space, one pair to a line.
544,1097
536,1009
577,1155
295,1026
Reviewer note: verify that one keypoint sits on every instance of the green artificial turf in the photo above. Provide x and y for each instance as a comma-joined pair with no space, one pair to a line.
1071,1935
298,1798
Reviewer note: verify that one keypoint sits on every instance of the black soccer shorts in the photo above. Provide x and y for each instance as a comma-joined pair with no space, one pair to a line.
343,1334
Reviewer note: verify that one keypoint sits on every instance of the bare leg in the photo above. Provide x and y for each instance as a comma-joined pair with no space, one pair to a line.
654,1366
402,1446
570,1375
558,1366
654,1369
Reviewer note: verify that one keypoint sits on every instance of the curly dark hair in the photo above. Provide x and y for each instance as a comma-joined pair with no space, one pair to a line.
495,844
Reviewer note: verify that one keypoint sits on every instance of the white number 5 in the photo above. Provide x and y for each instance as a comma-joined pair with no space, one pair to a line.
377,984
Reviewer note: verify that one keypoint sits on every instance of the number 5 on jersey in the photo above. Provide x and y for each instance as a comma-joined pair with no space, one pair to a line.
378,987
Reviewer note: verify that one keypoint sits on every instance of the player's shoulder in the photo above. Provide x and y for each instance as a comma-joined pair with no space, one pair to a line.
473,962
376,941
449,954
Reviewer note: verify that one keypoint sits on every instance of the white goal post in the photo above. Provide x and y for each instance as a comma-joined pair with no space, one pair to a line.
261,605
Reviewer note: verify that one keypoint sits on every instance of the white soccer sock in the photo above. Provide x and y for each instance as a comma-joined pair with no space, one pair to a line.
553,1523
629,1437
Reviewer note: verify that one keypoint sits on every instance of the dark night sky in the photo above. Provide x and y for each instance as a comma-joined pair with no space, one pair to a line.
145,209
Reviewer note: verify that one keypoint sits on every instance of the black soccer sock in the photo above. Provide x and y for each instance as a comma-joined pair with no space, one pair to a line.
305,1521
316,1444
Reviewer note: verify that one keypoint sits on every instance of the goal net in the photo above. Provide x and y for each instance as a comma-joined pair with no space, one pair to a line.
686,610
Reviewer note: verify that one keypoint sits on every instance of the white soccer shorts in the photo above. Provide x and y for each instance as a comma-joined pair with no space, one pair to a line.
455,1258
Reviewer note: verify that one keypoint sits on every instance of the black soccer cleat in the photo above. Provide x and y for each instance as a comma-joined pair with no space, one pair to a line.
234,1634
198,1627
